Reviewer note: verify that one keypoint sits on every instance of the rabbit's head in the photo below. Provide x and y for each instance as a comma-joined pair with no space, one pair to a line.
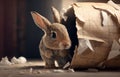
56,36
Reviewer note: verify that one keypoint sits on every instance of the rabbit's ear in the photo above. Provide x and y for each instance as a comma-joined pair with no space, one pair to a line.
56,14
40,21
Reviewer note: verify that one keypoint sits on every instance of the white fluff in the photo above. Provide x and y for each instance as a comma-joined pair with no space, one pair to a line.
20,60
66,65
5,61
14,60
58,71
56,64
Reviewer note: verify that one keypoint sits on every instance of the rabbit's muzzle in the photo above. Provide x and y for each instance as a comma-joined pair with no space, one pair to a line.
64,45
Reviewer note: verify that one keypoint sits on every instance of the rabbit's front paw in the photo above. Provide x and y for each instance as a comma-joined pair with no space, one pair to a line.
49,65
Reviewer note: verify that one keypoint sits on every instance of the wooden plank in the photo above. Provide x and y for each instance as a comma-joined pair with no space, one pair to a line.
10,27
1,27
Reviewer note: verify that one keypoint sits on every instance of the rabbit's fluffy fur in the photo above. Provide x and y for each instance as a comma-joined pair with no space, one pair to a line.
55,43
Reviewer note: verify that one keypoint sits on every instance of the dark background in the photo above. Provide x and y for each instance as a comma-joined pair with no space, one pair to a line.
19,36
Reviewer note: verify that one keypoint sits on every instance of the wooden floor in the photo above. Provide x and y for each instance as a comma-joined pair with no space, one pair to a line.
35,68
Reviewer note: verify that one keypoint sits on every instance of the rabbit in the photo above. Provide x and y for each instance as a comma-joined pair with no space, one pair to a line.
55,43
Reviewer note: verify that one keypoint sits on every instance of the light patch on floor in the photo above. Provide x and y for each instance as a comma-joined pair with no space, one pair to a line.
35,68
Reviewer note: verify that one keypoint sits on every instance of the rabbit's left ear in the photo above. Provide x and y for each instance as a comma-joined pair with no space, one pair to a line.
40,21
56,15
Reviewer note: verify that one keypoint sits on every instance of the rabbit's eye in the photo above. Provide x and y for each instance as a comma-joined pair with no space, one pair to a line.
53,34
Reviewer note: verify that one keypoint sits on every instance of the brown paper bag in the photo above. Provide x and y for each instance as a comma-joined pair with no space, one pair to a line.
98,25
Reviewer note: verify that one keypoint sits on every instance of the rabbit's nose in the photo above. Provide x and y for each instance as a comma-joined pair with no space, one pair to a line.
64,45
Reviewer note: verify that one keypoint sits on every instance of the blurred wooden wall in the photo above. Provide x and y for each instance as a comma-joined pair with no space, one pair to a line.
1,27
9,27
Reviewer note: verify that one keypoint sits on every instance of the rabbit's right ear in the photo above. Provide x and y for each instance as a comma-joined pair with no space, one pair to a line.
56,14
40,21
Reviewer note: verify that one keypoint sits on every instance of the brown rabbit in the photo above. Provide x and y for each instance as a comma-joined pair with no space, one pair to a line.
55,43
